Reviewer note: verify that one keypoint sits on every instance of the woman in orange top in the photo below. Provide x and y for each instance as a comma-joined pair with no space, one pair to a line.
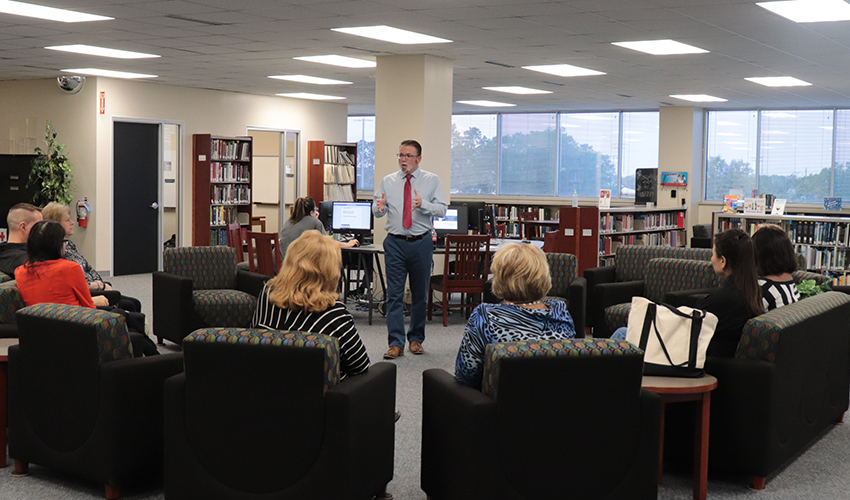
47,277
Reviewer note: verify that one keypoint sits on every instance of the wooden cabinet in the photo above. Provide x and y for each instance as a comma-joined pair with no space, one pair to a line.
331,171
221,186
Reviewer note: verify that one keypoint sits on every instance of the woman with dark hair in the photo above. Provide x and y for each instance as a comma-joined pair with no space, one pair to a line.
776,261
304,217
46,276
739,299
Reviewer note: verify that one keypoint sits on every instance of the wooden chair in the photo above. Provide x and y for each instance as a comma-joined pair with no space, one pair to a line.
550,242
527,231
466,274
263,255
234,241
259,220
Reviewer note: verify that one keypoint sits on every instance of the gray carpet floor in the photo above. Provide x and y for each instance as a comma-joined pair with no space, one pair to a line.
822,472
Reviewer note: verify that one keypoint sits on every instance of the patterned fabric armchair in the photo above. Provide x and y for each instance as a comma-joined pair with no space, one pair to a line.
788,382
568,287
78,400
515,438
281,414
630,265
662,276
4,278
201,287
10,302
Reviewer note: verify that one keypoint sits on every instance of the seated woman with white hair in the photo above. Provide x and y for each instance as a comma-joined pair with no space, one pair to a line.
521,279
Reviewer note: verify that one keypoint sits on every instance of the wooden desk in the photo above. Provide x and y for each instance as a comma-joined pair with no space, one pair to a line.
4,375
674,390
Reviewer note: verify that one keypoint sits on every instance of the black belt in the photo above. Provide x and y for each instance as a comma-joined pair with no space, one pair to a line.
408,238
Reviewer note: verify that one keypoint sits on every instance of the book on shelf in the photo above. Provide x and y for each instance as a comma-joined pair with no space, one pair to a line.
339,174
338,192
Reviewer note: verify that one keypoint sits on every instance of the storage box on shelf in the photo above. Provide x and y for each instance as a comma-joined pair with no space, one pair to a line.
221,186
332,171
822,240
594,234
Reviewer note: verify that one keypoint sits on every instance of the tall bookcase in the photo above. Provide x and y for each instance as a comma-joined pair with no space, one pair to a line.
822,240
332,171
221,186
593,234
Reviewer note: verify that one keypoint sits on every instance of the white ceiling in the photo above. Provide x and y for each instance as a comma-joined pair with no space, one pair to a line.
234,45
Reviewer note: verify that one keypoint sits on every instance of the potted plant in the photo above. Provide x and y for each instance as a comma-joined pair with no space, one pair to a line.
51,171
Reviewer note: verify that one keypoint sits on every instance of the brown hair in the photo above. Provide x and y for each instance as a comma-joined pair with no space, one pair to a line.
302,207
520,273
774,251
56,211
309,275
415,144
738,249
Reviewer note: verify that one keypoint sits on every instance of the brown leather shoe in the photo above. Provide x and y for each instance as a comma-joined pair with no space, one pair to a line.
416,347
393,352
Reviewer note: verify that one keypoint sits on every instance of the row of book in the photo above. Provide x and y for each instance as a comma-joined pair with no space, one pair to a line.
230,150
230,194
820,233
221,216
338,192
511,212
339,174
333,154
608,245
620,223
218,236
826,259
229,172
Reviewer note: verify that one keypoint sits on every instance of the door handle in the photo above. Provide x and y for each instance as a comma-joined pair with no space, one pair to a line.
154,205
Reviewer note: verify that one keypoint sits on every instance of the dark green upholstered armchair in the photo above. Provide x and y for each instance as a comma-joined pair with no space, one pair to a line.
518,436
80,403
202,287
262,414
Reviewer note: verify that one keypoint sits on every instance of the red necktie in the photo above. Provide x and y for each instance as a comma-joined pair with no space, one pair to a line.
408,203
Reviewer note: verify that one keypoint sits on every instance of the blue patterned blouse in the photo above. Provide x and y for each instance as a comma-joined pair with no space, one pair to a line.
491,323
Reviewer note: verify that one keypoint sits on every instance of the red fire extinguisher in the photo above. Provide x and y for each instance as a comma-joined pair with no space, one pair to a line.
83,210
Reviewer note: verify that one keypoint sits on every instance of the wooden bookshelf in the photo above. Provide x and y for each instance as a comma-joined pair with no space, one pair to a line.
331,171
221,186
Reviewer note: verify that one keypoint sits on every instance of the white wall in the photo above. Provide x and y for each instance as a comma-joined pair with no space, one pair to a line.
88,135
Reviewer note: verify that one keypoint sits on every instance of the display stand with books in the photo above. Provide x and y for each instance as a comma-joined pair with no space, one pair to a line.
331,171
221,186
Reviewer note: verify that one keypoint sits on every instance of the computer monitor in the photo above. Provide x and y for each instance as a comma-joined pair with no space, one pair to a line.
326,211
475,215
354,217
454,222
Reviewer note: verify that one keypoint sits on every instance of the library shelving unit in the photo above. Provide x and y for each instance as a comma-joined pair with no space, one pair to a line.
221,186
823,240
332,171
593,234
509,215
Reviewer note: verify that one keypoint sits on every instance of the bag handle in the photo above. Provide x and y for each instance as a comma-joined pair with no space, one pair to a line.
696,318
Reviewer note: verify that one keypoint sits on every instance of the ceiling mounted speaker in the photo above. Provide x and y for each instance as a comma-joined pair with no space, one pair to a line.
71,84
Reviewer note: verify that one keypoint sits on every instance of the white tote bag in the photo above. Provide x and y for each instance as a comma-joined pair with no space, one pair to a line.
674,340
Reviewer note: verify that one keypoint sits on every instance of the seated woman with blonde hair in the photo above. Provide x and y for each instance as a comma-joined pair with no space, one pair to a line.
521,279
303,297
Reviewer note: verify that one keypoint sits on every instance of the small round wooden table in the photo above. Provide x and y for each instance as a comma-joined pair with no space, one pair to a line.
677,389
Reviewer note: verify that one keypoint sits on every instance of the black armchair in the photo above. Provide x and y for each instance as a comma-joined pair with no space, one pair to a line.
79,402
202,287
262,414
516,438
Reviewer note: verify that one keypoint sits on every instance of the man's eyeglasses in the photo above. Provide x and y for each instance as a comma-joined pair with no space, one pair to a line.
406,156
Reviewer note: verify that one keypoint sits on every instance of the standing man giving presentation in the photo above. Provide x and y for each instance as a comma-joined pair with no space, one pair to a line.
410,198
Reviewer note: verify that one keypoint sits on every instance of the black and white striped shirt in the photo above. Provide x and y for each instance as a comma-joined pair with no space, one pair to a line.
778,293
335,321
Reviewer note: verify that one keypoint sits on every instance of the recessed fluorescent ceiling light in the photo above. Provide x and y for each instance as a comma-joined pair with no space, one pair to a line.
661,47
698,98
49,13
106,72
334,60
101,51
487,104
310,79
810,11
315,97
390,34
518,90
778,81
564,70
